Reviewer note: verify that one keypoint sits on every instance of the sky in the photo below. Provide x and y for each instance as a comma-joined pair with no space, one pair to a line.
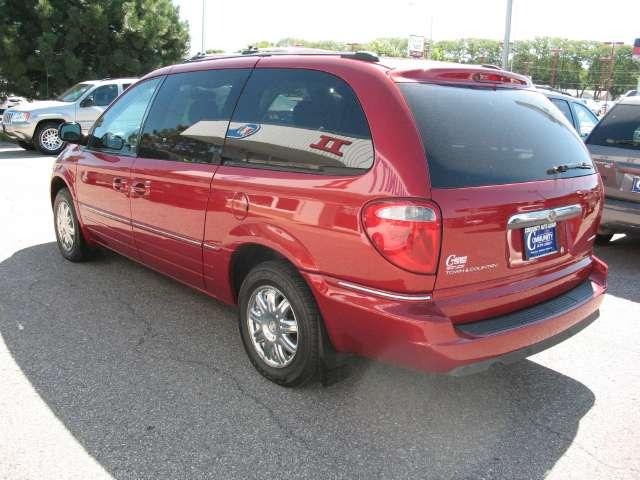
232,25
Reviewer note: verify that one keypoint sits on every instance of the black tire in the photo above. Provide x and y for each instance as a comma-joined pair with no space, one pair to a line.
306,362
77,250
603,238
40,139
26,145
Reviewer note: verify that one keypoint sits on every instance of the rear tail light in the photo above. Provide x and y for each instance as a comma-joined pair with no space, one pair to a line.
406,232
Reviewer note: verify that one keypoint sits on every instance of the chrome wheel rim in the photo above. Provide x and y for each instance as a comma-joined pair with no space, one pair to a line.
65,226
273,327
50,140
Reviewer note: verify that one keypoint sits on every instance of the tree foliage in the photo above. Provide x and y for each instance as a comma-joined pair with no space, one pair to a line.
578,65
66,41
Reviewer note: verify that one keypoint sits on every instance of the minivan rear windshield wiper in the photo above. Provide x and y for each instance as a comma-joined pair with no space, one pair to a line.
569,166
611,141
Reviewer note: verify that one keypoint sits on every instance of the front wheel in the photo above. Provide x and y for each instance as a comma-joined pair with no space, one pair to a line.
280,324
68,234
47,140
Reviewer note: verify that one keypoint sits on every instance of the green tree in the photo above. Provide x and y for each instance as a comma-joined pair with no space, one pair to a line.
52,44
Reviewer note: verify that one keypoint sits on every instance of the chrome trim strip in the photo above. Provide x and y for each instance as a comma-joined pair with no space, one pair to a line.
211,246
142,226
530,219
112,216
164,233
382,293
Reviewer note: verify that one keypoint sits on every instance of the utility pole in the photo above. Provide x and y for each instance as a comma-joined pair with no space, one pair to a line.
612,63
203,26
554,65
507,36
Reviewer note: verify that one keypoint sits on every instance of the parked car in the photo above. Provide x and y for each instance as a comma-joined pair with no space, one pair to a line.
631,93
10,101
35,124
575,110
593,105
438,217
615,148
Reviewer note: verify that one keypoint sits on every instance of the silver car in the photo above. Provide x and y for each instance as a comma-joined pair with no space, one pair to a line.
35,124
615,148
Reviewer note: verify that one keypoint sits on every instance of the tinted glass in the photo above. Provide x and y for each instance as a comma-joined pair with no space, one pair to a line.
74,93
301,120
190,115
118,129
586,119
482,136
620,128
563,106
104,95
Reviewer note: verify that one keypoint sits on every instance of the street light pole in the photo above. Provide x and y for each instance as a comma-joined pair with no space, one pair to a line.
203,23
507,35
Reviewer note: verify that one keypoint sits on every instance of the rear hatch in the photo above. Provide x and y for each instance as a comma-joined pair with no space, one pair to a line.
519,196
615,148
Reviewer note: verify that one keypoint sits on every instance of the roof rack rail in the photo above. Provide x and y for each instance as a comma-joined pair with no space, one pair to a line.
490,65
361,55
252,52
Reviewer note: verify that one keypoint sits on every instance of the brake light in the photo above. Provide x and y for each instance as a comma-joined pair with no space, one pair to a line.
406,232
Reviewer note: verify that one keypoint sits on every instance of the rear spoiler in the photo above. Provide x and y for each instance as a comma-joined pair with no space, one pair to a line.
479,76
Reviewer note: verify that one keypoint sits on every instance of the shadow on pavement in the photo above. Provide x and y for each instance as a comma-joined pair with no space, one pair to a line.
623,257
13,151
151,379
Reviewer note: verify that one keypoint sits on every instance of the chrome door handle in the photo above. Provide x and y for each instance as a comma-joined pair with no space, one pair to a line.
119,184
141,188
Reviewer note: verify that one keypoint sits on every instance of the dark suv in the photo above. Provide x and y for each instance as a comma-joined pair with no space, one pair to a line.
438,216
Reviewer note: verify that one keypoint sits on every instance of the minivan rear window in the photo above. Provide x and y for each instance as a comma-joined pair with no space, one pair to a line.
484,136
620,128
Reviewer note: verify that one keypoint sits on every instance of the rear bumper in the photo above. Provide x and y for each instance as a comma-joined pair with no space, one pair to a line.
414,333
620,215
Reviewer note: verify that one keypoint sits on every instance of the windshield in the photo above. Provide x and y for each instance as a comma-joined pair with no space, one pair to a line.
74,93
621,128
482,136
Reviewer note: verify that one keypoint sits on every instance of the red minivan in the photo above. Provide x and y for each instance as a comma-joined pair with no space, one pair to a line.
437,216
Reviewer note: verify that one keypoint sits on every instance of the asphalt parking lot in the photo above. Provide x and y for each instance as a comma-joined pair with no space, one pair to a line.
109,370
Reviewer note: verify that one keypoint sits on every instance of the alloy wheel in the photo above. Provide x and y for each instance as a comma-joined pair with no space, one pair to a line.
272,326
65,225
50,139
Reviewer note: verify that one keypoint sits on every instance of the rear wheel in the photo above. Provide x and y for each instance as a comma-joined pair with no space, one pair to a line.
280,324
68,234
26,145
46,138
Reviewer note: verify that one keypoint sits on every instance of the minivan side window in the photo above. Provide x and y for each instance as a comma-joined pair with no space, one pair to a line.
118,128
619,128
189,117
300,120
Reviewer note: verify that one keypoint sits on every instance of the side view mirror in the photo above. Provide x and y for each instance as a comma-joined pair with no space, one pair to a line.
88,102
71,132
112,142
